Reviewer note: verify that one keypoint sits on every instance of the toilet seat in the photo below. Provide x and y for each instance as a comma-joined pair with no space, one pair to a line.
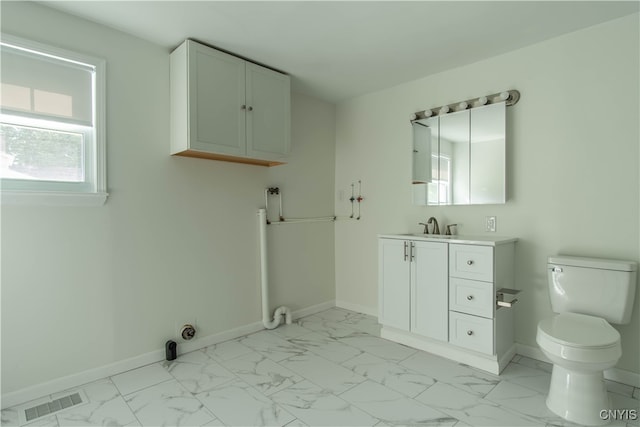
579,330
579,338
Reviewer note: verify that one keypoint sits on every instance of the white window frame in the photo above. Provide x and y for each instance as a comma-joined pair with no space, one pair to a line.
438,184
91,192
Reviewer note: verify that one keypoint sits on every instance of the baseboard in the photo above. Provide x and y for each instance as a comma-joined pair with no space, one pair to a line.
358,308
622,376
197,344
531,352
75,380
303,312
506,357
614,374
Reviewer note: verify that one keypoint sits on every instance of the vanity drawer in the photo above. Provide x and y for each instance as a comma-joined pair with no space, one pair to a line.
472,332
471,262
471,297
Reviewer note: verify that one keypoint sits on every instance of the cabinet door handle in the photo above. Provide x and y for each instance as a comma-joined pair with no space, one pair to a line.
469,332
405,250
470,262
243,107
250,108
469,297
411,253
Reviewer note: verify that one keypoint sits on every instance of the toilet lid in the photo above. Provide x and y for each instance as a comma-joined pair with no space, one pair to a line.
579,330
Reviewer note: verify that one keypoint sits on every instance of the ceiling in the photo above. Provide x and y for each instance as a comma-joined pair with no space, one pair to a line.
335,50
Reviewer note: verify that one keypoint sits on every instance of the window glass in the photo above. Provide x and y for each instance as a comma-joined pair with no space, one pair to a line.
41,154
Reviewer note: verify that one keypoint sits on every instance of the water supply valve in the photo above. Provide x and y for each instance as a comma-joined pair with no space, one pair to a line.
187,332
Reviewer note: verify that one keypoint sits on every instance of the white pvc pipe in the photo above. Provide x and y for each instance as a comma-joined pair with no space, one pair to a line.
264,279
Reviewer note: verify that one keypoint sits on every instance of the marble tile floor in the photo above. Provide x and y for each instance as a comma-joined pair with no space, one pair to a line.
328,369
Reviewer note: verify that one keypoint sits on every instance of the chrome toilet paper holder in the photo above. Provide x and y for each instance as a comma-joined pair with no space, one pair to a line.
506,297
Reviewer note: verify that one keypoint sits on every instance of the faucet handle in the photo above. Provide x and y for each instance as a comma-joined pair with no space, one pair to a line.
447,232
426,228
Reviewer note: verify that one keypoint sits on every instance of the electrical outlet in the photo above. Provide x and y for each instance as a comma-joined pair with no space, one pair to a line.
490,224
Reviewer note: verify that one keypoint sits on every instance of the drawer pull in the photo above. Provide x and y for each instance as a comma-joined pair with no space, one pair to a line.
470,262
469,297
469,332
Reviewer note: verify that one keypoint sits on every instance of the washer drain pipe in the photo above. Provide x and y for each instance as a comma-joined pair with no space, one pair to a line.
264,279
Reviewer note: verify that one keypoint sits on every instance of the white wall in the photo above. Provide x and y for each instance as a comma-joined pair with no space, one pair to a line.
569,192
176,241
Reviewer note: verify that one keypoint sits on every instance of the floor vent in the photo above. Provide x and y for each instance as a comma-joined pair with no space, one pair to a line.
51,407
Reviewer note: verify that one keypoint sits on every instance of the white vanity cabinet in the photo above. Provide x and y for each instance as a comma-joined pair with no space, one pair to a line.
226,108
439,294
413,286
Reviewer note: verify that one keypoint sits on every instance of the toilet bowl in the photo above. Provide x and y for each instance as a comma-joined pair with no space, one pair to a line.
580,347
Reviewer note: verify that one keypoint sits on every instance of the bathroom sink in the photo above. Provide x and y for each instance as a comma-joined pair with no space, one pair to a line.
430,236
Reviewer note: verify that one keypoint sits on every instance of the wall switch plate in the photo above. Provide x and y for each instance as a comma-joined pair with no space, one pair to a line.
490,224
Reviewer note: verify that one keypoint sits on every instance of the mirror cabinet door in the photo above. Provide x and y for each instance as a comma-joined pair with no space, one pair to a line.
454,146
488,149
425,161
422,141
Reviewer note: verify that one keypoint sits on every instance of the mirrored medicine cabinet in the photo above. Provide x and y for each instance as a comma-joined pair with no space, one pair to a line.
459,158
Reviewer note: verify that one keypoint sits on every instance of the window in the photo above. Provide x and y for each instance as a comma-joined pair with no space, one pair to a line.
52,145
439,189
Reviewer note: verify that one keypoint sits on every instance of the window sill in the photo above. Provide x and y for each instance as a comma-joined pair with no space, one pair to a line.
35,198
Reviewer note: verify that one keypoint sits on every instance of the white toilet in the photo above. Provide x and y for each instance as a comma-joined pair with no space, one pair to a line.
587,293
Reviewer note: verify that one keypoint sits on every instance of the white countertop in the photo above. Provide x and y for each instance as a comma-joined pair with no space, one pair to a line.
469,240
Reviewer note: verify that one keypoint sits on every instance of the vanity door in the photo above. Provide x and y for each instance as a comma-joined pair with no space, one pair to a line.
393,287
429,289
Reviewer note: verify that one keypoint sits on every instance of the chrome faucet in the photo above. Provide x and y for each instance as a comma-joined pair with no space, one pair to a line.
436,229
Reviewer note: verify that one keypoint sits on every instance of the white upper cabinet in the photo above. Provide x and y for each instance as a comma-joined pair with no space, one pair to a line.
225,108
460,158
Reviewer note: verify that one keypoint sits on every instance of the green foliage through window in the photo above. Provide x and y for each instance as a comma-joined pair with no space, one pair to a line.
41,154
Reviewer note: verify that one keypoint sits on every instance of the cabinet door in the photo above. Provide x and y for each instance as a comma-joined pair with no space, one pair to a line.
429,290
393,289
216,101
268,113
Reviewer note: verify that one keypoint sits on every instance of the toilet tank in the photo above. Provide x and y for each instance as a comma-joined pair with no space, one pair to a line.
599,287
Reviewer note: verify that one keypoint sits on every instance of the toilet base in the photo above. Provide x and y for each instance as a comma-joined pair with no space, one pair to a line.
578,397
